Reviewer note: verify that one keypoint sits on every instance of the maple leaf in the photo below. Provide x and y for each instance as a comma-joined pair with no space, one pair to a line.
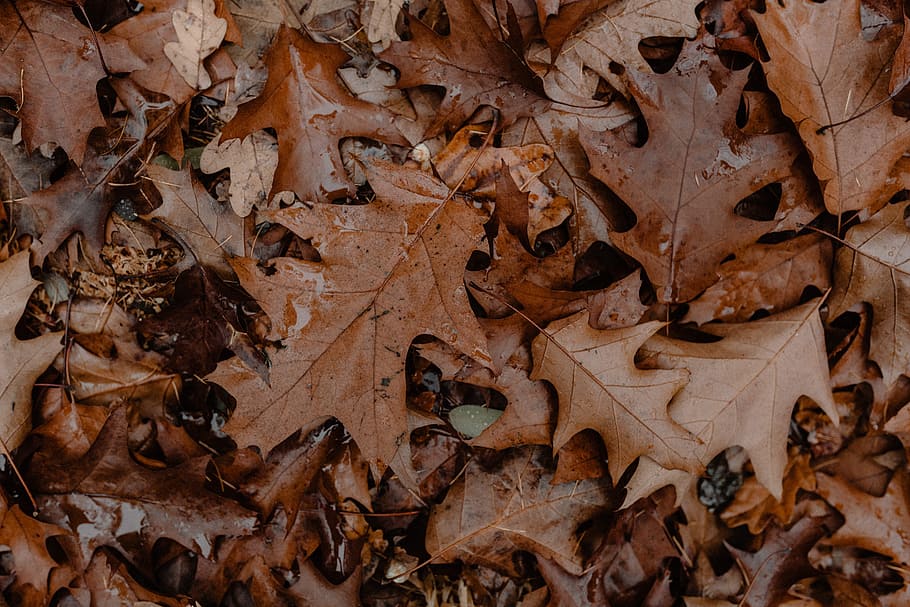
685,202
213,231
474,64
824,71
600,388
491,512
742,389
349,320
50,64
119,498
303,101
24,360
769,277
875,267
612,36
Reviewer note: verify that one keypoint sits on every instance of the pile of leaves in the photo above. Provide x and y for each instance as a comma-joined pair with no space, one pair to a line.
454,302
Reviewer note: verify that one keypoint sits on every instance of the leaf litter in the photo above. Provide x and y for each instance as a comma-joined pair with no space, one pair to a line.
516,303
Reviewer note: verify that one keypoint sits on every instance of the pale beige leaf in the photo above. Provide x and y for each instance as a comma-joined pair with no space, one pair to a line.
742,389
199,34
23,361
381,21
252,162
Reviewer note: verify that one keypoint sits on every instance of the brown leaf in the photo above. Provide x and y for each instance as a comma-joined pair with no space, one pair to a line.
475,65
491,512
24,361
686,201
768,277
50,64
390,271
600,388
302,101
207,316
742,389
211,228
824,71
874,267
108,499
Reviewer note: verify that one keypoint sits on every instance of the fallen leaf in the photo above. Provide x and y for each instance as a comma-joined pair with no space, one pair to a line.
742,389
301,101
824,71
476,65
24,360
874,267
199,34
51,62
349,320
770,277
686,202
490,512
252,162
600,388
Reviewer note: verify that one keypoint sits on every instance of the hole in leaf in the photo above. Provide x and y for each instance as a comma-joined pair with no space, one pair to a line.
761,205
660,52
478,261
599,267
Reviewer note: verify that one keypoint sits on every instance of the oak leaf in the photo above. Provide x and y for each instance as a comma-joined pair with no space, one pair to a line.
252,162
50,64
875,267
768,277
476,66
613,35
391,270
600,388
491,512
199,33
119,498
824,71
742,389
25,360
686,201
303,100
213,231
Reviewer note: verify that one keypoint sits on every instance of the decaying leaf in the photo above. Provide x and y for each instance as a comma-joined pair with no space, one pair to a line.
23,361
199,33
874,267
252,161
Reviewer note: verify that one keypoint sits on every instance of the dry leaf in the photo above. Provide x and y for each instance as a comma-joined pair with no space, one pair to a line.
252,162
199,34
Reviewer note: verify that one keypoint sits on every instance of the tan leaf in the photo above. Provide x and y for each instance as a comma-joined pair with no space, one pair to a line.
824,70
488,514
600,388
391,270
23,361
199,34
26,538
742,389
252,162
875,267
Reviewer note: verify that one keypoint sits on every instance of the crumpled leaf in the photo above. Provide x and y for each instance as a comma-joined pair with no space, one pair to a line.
23,361
600,388
252,161
824,71
686,200
348,321
491,512
119,499
199,33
